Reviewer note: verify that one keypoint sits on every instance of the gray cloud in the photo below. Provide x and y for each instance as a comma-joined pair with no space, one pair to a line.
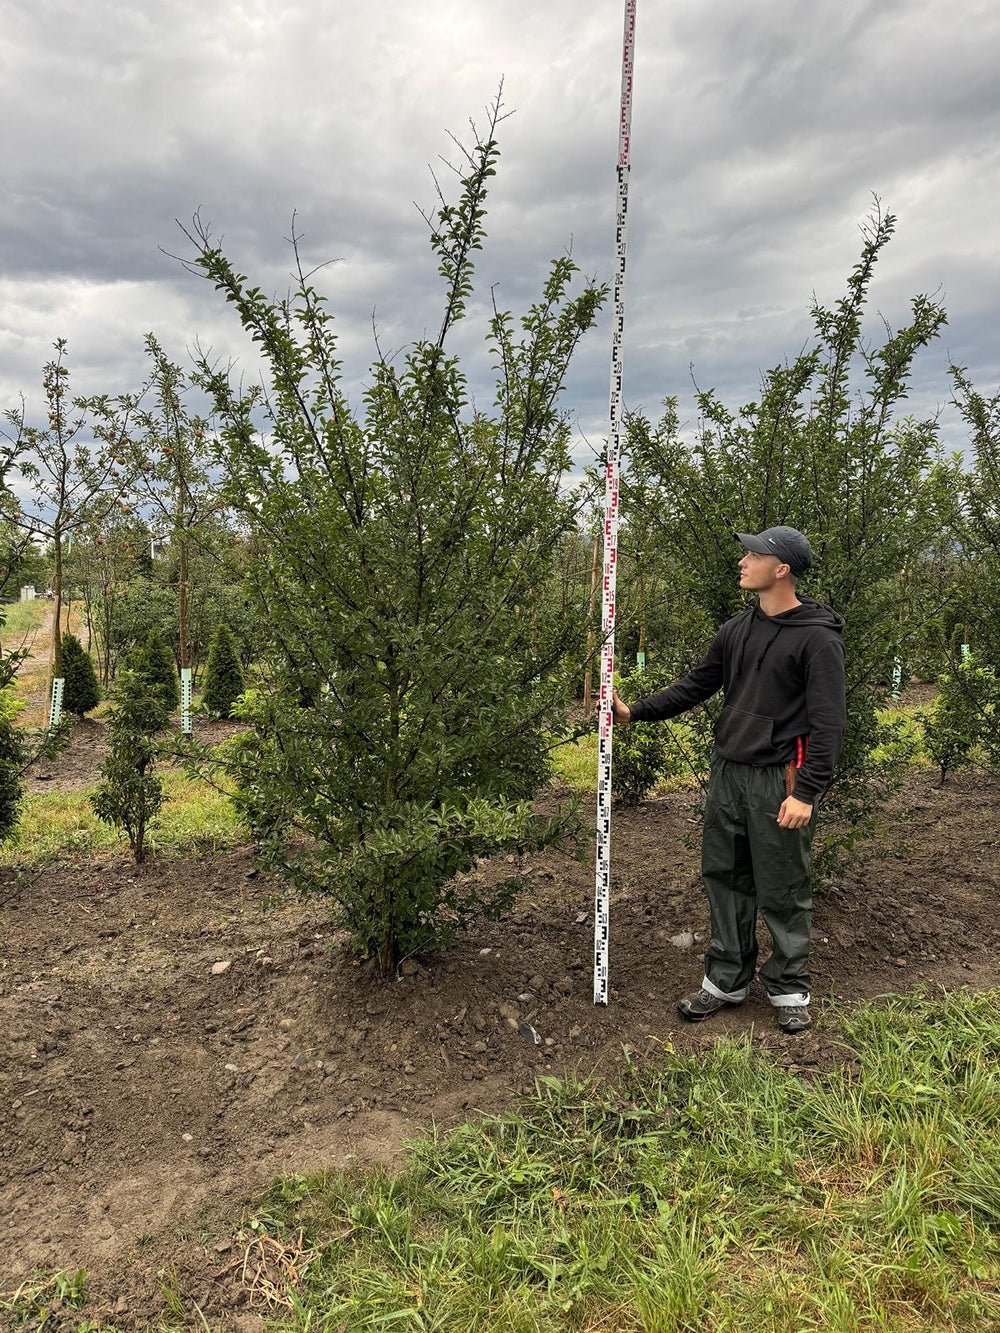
760,134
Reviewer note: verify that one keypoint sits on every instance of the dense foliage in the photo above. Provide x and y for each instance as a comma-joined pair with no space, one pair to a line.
413,689
642,756
153,664
963,715
224,675
81,691
131,794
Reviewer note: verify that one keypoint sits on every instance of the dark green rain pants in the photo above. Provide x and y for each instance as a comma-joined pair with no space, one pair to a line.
749,863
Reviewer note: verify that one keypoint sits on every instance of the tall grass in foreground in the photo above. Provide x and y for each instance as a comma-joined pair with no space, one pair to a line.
715,1193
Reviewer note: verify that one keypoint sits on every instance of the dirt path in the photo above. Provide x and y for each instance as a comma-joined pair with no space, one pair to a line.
32,675
148,1088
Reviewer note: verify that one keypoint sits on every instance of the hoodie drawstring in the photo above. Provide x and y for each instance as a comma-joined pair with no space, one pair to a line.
751,616
766,646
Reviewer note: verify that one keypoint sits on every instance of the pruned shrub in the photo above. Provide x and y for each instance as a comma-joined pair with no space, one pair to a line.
81,692
224,677
154,664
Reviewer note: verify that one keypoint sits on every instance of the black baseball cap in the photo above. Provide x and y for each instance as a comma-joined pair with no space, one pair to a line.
788,544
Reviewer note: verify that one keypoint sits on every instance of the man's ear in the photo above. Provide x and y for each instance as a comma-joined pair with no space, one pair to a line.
782,572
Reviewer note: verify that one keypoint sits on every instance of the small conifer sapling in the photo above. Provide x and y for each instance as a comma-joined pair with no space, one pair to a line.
81,692
224,678
131,794
154,664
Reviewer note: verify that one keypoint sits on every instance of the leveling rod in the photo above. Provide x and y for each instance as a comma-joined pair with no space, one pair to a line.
602,897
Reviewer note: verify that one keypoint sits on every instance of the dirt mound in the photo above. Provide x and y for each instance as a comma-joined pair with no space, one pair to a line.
170,1043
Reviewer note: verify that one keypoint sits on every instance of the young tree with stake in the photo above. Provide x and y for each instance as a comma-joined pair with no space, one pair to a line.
169,459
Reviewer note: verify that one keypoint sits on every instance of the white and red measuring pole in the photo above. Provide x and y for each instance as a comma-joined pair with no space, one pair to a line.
602,902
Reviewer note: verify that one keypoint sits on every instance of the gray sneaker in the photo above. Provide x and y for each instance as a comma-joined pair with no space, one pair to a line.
793,1018
701,1004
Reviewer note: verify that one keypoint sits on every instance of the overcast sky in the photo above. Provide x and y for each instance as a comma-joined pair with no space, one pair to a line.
761,130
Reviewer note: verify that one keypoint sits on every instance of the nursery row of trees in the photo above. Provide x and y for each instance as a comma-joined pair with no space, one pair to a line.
413,576
112,506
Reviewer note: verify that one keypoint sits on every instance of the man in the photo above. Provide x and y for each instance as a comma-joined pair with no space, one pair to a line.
780,665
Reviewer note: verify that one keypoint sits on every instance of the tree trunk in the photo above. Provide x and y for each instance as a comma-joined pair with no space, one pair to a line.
88,611
106,637
182,577
55,669
588,679
388,951
642,611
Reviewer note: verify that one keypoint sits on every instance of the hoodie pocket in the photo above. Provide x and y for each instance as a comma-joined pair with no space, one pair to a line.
745,738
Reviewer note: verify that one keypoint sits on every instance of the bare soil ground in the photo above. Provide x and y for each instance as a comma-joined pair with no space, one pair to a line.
169,1043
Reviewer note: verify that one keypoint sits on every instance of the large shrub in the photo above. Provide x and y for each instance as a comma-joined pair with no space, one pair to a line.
835,460
414,688
976,540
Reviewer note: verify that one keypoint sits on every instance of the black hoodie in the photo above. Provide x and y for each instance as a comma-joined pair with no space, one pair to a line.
782,679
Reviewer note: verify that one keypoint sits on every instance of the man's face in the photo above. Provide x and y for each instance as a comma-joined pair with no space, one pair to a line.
758,573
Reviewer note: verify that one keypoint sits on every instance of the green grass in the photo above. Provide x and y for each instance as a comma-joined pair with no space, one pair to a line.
705,1192
576,762
21,618
194,816
711,1192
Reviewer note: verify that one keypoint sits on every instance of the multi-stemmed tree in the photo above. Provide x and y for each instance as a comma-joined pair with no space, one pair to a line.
109,564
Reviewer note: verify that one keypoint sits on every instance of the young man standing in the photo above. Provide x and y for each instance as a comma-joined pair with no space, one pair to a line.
780,665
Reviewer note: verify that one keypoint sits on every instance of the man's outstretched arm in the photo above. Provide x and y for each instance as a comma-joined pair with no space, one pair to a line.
694,688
